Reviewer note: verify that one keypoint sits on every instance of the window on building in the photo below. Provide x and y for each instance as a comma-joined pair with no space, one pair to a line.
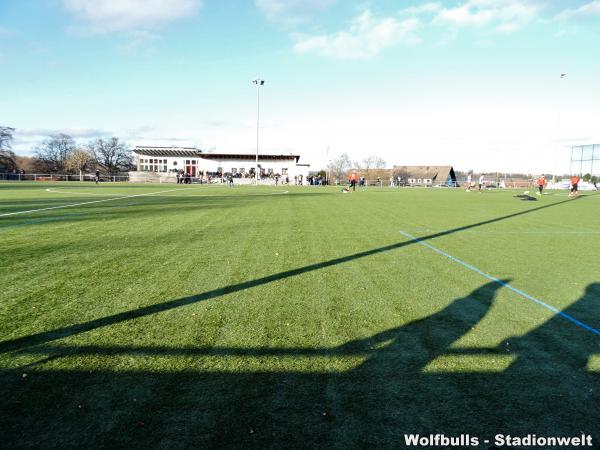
284,171
233,170
270,171
153,165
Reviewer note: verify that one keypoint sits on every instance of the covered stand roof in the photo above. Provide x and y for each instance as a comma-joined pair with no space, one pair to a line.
192,152
168,151
247,156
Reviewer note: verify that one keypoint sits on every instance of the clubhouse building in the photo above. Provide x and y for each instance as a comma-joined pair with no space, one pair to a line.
163,163
426,175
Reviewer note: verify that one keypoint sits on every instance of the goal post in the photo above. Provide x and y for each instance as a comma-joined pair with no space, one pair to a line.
585,159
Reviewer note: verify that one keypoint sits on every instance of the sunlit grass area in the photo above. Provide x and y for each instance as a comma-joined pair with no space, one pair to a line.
165,316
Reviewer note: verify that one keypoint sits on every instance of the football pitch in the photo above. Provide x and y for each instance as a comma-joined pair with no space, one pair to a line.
173,316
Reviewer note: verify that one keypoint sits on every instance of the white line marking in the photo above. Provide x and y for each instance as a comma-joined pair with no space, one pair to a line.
57,191
239,196
503,284
88,203
132,196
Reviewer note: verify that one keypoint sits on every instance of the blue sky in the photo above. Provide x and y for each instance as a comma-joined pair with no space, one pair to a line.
472,83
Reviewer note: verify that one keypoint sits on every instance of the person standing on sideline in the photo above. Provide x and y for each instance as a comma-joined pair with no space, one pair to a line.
97,179
353,180
574,186
469,182
541,184
481,182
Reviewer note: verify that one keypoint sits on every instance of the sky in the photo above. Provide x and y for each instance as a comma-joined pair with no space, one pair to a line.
471,83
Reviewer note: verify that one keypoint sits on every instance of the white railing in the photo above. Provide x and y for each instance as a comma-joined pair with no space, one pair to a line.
61,177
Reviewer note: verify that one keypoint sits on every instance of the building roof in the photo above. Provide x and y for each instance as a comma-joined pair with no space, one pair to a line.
167,151
193,152
247,156
437,173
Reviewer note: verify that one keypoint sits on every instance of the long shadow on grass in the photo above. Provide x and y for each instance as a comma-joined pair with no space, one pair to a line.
59,333
127,207
414,379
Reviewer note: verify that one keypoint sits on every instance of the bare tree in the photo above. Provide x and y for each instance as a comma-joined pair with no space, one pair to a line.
29,164
54,152
379,163
7,156
111,153
79,160
371,162
6,137
339,166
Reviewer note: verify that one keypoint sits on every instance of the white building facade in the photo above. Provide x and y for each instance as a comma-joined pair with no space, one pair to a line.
165,162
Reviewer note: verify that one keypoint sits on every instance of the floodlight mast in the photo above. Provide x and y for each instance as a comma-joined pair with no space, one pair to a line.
558,129
258,82
328,167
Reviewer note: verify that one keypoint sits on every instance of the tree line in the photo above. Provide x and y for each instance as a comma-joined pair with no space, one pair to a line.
60,153
338,167
7,156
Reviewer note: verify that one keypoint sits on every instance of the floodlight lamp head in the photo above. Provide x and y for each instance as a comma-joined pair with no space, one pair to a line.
259,81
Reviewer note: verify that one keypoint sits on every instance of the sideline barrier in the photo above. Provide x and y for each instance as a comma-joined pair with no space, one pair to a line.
49,177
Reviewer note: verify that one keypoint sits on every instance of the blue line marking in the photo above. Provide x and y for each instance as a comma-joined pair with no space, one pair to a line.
503,284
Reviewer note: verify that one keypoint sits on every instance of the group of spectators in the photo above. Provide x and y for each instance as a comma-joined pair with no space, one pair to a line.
316,180
184,178
201,177
228,177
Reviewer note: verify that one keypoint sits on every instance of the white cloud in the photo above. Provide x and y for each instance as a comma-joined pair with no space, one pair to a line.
586,11
104,16
425,8
27,139
291,10
501,15
73,132
368,34
366,37
139,41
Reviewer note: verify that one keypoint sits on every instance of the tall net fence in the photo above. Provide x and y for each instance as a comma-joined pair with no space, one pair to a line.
585,159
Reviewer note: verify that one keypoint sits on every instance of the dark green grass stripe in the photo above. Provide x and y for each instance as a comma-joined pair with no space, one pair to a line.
59,333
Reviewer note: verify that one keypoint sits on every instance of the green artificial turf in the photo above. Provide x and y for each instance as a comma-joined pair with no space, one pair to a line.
202,316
